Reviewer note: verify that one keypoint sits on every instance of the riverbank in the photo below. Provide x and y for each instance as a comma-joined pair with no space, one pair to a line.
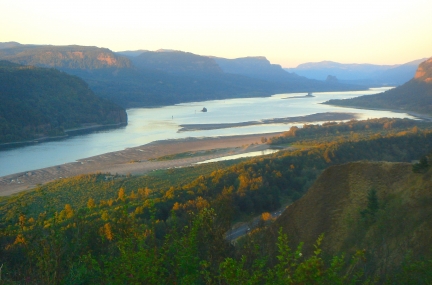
137,160
67,133
424,117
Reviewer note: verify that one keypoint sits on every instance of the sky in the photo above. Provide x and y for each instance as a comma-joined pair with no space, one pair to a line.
287,32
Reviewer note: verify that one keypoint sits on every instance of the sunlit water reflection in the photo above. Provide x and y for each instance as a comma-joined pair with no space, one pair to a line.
151,124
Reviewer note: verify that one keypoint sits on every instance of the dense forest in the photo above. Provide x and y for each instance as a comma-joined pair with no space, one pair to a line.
169,226
40,102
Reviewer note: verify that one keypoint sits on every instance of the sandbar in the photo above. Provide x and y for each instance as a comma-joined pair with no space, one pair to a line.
328,116
137,160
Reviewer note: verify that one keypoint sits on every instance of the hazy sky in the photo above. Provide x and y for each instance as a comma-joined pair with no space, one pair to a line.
287,32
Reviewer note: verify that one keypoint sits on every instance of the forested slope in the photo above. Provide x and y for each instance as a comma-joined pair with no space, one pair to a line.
168,227
38,102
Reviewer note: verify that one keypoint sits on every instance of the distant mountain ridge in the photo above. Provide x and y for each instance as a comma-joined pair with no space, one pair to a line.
39,102
165,77
415,95
65,57
176,62
364,74
256,67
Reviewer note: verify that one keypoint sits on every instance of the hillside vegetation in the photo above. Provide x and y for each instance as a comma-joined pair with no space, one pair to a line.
39,102
415,95
168,227
380,208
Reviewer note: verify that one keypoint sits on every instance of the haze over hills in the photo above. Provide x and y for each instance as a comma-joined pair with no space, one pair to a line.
256,67
162,78
39,102
362,74
176,62
415,95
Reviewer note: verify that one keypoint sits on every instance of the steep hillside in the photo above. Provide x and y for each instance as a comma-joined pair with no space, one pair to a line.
38,102
176,62
424,72
382,208
256,67
415,95
64,57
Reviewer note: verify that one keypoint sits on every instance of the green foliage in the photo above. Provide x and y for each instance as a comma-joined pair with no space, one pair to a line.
422,166
352,130
372,206
107,229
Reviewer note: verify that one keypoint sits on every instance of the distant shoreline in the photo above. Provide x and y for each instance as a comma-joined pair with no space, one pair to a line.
426,117
68,133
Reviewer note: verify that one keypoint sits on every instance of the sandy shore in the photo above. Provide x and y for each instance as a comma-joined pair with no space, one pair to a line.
135,160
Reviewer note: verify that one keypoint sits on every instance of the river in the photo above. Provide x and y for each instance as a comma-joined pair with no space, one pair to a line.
146,125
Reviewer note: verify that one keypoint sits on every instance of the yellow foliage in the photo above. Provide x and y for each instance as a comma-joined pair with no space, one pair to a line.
105,216
121,194
20,239
68,211
21,220
133,195
139,210
266,216
108,231
91,203
177,206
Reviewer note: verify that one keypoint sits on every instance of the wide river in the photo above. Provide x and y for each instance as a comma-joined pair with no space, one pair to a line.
151,124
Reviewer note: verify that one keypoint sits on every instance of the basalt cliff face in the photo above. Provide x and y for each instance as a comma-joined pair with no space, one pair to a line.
65,57
424,71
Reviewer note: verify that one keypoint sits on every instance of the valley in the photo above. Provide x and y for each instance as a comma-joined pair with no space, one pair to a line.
157,200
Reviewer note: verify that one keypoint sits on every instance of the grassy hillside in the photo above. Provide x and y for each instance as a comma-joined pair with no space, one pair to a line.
381,208
39,102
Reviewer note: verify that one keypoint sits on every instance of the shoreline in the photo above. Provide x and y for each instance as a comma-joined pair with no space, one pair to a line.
137,160
425,117
67,133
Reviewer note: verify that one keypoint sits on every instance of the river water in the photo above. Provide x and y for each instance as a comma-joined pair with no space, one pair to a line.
151,124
